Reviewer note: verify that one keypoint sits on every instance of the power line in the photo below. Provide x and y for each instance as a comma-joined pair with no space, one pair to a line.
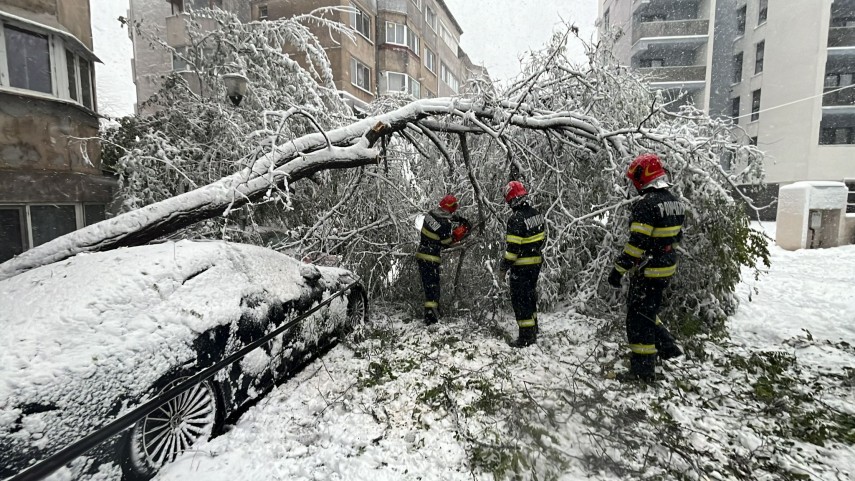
794,102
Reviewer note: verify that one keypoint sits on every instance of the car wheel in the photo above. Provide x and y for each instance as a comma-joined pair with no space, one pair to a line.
176,426
357,313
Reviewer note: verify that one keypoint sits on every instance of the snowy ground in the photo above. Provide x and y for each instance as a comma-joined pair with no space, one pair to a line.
774,401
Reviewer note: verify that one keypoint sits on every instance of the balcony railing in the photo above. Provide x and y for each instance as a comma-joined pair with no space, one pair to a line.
686,73
841,37
672,28
839,99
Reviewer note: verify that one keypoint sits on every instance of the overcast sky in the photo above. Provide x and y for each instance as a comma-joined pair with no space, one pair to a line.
495,34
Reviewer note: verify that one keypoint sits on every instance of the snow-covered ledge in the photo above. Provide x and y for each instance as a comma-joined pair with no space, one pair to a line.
812,214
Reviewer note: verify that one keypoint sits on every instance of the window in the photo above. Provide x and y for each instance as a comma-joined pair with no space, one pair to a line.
653,17
764,7
360,21
755,105
740,21
606,19
28,57
399,82
446,36
360,74
93,213
430,60
262,12
758,58
46,63
737,68
51,221
752,141
430,18
418,4
85,83
399,34
734,110
12,232
72,75
449,78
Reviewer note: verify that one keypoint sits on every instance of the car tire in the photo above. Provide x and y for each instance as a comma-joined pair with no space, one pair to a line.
357,312
191,417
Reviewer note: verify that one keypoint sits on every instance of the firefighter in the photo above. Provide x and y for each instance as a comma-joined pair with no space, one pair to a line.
526,234
650,259
441,228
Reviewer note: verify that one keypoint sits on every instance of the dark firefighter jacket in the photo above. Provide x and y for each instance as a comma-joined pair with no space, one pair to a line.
525,238
435,236
654,230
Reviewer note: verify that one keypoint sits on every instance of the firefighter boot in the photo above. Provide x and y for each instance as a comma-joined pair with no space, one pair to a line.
527,337
431,316
641,369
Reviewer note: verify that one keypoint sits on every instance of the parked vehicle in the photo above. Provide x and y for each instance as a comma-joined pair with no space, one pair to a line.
86,339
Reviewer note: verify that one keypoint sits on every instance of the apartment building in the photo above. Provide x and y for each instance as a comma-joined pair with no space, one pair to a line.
407,46
410,46
782,70
51,183
165,19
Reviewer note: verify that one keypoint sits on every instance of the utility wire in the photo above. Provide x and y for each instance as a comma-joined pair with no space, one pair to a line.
794,102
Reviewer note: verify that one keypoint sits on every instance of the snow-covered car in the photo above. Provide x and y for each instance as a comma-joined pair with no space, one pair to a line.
87,339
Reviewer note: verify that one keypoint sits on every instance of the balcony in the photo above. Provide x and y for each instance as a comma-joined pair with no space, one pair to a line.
841,37
672,30
843,98
677,75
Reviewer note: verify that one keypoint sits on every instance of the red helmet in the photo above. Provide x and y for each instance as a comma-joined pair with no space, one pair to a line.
645,169
448,204
513,190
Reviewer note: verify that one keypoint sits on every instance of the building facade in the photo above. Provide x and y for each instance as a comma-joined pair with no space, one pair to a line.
51,181
409,46
783,71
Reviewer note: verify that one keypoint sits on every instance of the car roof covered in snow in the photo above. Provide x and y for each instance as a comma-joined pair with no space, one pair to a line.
136,309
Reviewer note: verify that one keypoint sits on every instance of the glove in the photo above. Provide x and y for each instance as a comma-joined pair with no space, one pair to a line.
614,278
459,233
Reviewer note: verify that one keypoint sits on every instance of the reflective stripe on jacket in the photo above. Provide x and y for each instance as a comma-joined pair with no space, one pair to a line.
655,227
435,235
526,235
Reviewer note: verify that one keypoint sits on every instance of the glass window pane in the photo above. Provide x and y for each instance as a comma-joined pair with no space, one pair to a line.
397,82
85,83
11,232
51,221
93,213
28,57
72,77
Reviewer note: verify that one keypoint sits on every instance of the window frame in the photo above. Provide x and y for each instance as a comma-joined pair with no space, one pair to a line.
741,20
445,72
738,60
355,64
735,108
409,83
59,48
430,55
447,37
433,26
756,96
354,18
27,219
266,12
759,56
763,12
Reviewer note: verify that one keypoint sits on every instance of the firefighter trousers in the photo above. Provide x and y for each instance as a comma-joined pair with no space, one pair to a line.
644,331
429,272
523,286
